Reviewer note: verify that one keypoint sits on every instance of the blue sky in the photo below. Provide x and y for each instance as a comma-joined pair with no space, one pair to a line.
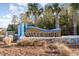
4,7
9,9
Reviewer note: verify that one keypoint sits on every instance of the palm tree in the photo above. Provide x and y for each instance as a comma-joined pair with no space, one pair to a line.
65,19
57,10
33,9
75,8
15,19
47,20
23,17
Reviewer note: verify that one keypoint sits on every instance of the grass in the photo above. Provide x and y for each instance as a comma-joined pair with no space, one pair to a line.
23,43
61,49
26,42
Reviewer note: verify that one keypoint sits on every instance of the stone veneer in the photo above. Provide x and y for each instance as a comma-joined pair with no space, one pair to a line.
33,32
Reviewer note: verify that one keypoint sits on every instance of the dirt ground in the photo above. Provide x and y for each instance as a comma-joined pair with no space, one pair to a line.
29,51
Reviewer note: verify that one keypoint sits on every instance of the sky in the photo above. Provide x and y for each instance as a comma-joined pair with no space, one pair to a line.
9,9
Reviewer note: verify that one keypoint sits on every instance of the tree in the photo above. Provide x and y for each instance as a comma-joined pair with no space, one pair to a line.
23,17
74,8
33,9
47,21
57,10
15,20
13,27
65,20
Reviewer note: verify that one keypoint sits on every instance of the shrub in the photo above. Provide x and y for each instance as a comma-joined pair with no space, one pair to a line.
61,49
39,43
23,42
8,41
26,41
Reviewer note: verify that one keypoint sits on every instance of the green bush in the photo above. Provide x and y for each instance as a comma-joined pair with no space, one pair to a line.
46,23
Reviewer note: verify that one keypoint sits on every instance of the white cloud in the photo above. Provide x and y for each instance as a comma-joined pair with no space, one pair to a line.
43,4
17,9
12,8
5,20
21,8
22,4
8,16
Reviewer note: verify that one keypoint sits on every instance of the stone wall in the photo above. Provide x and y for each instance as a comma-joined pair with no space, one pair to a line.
65,40
33,32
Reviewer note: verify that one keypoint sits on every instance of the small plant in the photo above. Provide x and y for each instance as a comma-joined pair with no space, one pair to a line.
61,49
23,42
26,41
38,43
7,41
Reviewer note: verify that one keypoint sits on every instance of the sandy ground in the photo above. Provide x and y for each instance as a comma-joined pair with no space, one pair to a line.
24,51
29,51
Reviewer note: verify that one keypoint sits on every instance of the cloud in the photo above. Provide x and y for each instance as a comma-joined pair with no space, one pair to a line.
43,4
8,16
5,20
17,9
21,9
22,4
13,9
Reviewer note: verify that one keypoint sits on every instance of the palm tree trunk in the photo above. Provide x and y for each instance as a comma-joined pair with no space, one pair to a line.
75,29
75,24
35,19
57,20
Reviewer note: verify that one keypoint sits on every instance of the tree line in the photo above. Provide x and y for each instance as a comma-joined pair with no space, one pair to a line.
51,16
